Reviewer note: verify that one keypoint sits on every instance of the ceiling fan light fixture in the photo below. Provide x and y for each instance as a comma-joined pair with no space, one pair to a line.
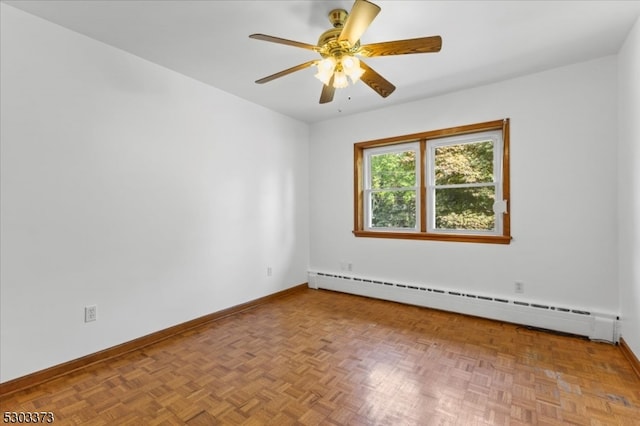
340,80
323,76
325,70
351,67
355,76
328,64
350,63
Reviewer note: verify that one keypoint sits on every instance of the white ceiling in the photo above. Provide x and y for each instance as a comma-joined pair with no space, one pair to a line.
483,42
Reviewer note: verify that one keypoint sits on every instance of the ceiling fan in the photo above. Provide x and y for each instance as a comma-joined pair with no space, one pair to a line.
340,48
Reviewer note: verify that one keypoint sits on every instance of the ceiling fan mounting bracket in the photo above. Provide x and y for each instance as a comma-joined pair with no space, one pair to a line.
337,17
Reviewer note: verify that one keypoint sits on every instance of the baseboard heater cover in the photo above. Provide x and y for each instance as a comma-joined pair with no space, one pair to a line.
582,322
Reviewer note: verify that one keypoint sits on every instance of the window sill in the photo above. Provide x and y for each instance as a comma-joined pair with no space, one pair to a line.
461,238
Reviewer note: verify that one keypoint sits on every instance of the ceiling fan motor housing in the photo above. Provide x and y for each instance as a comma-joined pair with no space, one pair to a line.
328,43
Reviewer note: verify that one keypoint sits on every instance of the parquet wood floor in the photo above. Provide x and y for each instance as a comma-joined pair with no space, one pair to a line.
325,358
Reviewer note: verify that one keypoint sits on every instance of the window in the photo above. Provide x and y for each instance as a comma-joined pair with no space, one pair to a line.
450,184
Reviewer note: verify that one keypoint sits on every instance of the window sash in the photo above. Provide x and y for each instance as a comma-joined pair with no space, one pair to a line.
432,218
369,191
494,136
369,206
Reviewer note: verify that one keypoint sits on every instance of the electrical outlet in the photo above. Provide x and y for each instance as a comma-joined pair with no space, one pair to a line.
269,271
346,266
90,313
518,287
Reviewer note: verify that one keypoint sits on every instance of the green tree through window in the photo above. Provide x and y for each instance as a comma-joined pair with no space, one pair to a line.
393,190
464,186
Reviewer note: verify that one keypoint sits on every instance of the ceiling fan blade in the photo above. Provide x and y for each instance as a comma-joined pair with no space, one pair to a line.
402,47
285,72
327,92
376,81
283,41
361,16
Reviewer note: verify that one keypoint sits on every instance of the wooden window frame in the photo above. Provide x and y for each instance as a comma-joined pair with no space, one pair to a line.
423,137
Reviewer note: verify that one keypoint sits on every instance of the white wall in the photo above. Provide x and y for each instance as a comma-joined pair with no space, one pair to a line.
629,188
563,188
126,185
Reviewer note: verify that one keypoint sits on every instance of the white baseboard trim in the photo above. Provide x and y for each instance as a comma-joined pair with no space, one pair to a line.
573,320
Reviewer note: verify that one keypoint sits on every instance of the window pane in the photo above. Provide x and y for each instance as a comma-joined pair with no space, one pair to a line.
393,209
393,170
465,208
464,163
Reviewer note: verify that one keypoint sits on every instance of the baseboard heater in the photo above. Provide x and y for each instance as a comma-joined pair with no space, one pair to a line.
565,319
